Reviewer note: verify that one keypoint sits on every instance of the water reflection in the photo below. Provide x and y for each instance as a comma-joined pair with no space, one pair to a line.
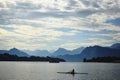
73,75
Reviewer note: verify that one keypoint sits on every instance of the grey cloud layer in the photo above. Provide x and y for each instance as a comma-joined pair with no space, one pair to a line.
47,15
29,10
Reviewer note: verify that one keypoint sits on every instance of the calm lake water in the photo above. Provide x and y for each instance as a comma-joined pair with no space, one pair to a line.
48,71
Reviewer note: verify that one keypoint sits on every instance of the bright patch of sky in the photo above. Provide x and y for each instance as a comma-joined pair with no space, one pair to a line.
50,24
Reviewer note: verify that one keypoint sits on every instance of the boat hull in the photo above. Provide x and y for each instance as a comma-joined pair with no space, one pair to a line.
70,73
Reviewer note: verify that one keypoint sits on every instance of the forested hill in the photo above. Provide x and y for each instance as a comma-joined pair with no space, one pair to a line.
8,57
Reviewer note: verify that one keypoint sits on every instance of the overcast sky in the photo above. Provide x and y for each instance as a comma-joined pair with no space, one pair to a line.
50,24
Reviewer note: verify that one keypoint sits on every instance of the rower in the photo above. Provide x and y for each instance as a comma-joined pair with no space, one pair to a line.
73,71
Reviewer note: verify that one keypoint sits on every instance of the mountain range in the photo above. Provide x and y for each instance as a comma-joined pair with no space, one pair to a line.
71,55
14,51
58,52
116,46
41,53
93,51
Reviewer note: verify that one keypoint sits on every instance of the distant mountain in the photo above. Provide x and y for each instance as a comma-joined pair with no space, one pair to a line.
116,46
3,51
98,51
75,55
71,58
42,53
92,51
14,51
61,51
78,50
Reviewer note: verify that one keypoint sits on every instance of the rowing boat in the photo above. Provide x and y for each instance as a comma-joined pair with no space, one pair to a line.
70,73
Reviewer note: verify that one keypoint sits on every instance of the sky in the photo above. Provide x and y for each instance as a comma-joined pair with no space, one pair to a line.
51,24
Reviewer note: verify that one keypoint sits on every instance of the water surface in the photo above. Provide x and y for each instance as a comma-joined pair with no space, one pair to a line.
48,71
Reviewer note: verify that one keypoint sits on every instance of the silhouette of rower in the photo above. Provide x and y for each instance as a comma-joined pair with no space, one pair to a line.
73,71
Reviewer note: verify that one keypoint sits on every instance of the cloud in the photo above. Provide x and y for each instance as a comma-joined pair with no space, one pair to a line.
115,37
99,41
91,42
114,21
22,35
35,22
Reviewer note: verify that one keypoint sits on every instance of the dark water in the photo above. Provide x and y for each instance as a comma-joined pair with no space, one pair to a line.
48,71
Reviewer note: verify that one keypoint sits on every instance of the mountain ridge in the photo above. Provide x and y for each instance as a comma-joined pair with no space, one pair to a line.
77,54
14,51
93,51
116,46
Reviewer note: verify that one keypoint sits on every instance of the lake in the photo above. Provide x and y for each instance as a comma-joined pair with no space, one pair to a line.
48,71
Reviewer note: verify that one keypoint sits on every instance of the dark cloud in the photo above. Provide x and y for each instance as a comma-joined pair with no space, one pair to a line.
71,4
93,4
60,14
85,12
30,11
4,17
114,21
27,6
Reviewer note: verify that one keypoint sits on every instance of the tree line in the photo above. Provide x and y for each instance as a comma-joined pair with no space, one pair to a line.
8,57
102,59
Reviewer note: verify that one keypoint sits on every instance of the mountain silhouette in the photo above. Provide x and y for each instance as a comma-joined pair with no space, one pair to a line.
61,51
3,51
71,55
78,50
98,51
14,51
92,51
42,53
116,46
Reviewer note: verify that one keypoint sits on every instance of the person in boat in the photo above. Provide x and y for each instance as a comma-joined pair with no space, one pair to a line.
73,71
